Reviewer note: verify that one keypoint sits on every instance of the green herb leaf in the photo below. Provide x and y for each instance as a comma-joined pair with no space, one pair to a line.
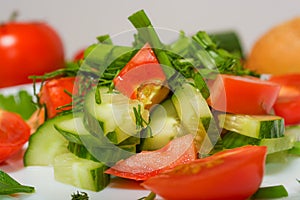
79,196
151,196
270,192
20,103
296,149
10,186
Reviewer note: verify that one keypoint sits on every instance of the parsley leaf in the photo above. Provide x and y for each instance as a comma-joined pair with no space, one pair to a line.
20,103
10,186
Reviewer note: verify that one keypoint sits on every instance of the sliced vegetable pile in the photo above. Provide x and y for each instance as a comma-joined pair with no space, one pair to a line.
184,117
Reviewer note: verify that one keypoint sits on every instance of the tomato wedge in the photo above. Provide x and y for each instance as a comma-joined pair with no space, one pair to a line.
53,94
230,174
143,69
288,103
146,164
14,133
243,95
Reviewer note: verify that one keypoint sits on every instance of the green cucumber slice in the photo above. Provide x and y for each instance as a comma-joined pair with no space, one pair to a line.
164,125
46,143
115,114
256,126
79,172
233,139
196,116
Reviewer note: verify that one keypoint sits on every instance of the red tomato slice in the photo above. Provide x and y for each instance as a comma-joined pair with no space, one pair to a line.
230,174
288,103
14,133
243,95
146,164
143,68
53,94
289,109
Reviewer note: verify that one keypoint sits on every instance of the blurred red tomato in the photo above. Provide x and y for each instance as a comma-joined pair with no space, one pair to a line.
14,133
78,55
28,48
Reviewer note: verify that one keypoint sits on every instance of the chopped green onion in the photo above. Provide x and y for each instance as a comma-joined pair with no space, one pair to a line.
147,33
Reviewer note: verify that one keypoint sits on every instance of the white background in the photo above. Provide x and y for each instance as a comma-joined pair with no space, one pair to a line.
79,22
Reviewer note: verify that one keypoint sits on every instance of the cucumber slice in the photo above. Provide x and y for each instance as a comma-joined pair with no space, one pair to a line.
72,128
293,131
115,114
233,139
256,126
79,172
85,145
46,143
164,125
196,116
109,155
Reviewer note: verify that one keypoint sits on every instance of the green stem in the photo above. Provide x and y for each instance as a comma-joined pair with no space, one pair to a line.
148,34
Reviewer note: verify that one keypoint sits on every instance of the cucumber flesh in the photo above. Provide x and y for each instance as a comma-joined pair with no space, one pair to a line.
107,155
115,114
196,116
45,144
164,125
293,131
85,145
232,140
256,126
79,172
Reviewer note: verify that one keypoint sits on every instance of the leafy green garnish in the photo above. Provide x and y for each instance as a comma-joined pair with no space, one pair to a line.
21,103
296,149
151,196
79,196
270,192
10,186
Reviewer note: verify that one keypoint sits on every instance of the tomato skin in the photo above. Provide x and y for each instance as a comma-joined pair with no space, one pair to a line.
78,55
28,48
288,103
143,68
289,109
146,164
230,174
53,94
14,133
243,95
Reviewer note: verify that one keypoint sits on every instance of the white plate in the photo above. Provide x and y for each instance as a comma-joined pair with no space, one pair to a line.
47,188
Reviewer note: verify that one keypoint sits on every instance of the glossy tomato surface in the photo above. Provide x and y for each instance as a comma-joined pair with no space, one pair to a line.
55,93
27,49
227,175
142,69
243,95
288,103
146,164
14,133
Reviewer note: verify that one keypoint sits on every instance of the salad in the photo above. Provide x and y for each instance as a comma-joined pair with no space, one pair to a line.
185,117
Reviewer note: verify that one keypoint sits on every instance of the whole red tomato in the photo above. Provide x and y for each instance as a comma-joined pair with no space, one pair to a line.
28,48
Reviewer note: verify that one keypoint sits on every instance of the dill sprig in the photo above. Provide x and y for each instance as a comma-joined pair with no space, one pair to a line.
140,122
